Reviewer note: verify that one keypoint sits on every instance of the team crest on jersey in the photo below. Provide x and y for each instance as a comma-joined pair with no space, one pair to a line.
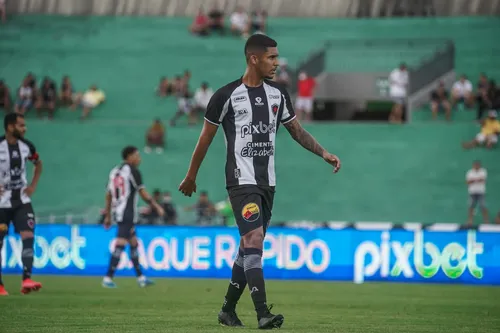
250,212
275,108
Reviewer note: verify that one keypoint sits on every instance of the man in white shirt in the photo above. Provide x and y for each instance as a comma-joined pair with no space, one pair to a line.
398,83
240,23
476,182
462,92
202,97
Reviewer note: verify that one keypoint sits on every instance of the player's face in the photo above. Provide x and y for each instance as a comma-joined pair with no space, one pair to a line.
135,158
19,128
268,63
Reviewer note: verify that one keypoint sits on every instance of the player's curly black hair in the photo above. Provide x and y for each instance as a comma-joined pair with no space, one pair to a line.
127,151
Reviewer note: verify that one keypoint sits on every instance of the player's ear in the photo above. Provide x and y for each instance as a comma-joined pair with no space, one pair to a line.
254,59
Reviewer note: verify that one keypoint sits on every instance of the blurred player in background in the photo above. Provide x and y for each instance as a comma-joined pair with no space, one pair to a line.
125,182
250,110
15,194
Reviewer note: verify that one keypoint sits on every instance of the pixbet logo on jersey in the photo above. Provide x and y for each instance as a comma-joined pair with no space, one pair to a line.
259,128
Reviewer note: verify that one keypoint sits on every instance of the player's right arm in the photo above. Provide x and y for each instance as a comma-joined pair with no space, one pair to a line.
107,210
216,110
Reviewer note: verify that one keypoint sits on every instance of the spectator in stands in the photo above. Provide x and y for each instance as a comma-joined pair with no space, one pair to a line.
305,97
201,24
461,92
179,87
488,136
4,97
24,97
149,214
439,101
185,106
186,78
3,11
67,91
476,182
398,86
205,209
164,87
216,20
170,216
89,100
283,75
47,98
259,20
240,23
155,137
202,97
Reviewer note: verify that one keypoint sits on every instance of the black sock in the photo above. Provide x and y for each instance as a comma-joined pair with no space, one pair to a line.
27,257
115,260
255,277
1,244
236,285
134,256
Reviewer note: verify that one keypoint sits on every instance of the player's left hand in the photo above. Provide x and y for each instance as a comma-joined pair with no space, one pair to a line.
188,186
332,160
29,190
107,222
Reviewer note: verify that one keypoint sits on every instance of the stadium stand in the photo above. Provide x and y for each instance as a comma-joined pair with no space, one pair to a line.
413,173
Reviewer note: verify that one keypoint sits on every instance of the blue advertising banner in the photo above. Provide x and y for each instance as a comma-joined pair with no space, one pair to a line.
469,257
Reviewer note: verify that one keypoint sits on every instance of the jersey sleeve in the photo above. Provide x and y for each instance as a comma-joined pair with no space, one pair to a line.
288,111
136,178
217,108
33,156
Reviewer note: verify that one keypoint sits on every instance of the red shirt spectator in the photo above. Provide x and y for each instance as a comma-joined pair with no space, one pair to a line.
306,86
201,20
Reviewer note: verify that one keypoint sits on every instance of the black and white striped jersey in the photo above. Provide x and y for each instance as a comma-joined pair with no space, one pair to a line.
124,183
250,117
13,179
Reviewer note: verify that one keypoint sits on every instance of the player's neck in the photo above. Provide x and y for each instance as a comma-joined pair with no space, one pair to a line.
252,79
11,140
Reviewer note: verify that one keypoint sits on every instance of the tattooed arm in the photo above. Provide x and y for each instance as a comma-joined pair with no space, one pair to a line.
306,140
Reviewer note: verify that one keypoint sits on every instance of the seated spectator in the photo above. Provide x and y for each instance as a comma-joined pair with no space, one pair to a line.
3,11
216,20
89,100
398,86
47,98
66,91
155,137
179,87
490,99
205,210
186,77
170,216
488,136
283,75
202,97
461,92
439,101
24,97
164,88
4,97
259,21
201,24
184,107
240,23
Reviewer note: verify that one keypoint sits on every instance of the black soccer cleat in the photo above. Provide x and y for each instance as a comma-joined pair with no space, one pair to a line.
229,319
269,321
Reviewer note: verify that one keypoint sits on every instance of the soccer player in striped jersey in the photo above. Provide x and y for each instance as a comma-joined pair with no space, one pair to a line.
251,109
124,186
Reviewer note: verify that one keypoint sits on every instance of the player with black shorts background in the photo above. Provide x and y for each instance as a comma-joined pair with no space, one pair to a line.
251,110
15,194
124,185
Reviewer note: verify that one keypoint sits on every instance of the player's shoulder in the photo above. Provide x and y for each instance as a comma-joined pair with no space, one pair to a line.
276,85
227,90
27,143
2,138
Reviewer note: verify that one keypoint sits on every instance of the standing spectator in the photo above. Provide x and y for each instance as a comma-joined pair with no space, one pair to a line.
200,24
155,137
47,98
205,210
4,96
490,130
202,97
283,75
66,91
3,11
476,182
439,101
240,23
305,98
461,92
216,20
24,97
398,90
259,18
170,216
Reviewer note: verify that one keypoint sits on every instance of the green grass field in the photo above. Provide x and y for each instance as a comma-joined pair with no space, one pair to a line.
78,304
